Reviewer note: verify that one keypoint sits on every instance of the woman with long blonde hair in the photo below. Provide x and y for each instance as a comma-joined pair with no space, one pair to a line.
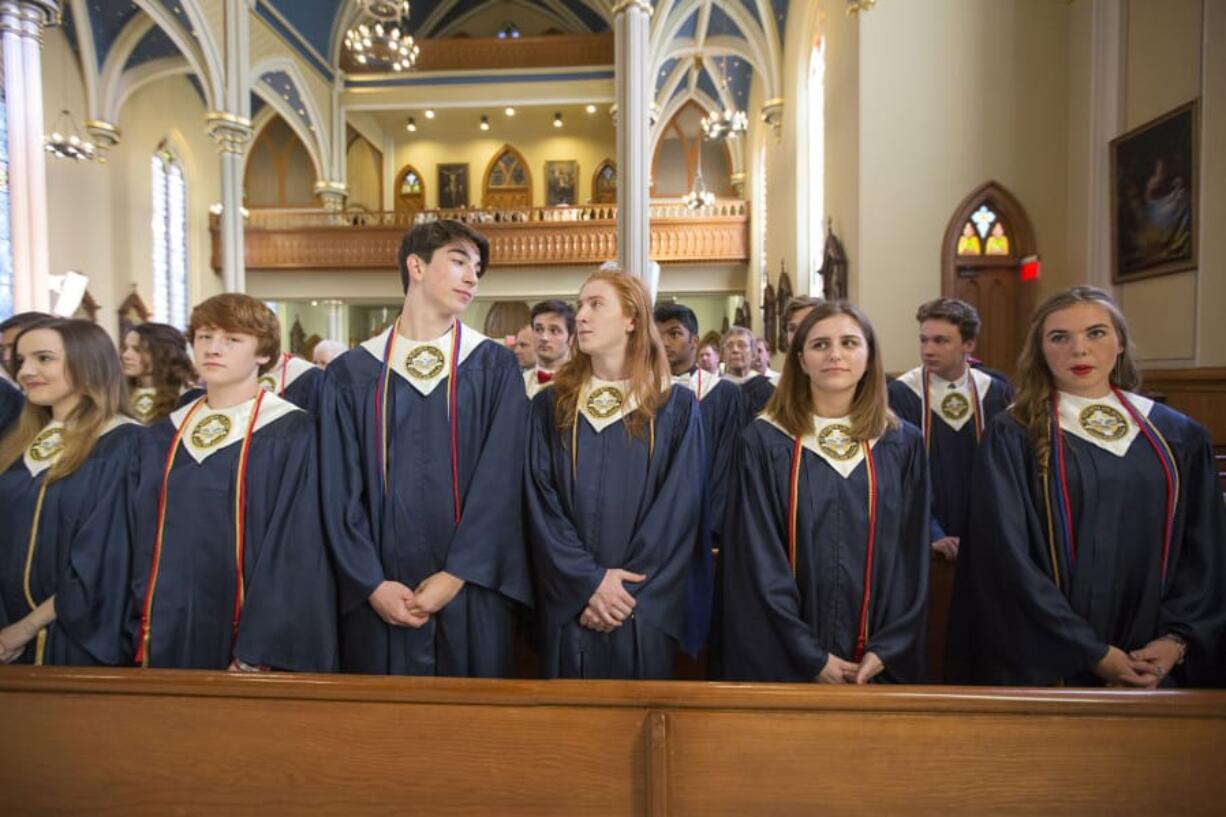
825,556
66,465
1097,534
613,483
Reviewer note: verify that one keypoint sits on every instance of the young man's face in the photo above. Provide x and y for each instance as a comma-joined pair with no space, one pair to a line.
793,322
552,339
679,345
762,357
525,347
449,279
942,348
226,358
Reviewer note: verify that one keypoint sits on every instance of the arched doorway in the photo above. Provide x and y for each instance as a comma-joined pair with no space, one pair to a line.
981,259
507,182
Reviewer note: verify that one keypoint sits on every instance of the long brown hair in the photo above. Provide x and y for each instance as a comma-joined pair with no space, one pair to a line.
169,365
649,374
1031,405
92,367
791,406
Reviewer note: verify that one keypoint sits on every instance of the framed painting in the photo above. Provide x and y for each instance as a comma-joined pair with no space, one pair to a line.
453,186
1154,181
561,183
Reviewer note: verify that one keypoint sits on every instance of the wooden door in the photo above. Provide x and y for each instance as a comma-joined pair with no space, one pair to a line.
986,242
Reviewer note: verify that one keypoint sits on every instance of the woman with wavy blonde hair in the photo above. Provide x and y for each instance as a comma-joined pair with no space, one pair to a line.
65,469
1097,534
613,483
825,556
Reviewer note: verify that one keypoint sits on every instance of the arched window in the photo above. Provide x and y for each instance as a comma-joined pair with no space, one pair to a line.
817,162
6,246
604,183
410,190
508,182
169,225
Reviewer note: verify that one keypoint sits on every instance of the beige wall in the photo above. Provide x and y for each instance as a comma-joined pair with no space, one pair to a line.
588,139
1173,317
100,212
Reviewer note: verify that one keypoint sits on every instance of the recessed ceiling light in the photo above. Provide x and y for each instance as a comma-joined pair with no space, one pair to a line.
590,109
429,113
510,111
557,120
485,123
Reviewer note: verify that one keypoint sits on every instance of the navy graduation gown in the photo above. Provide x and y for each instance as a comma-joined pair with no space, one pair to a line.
411,533
81,554
757,390
629,508
288,618
951,454
11,403
780,627
1010,624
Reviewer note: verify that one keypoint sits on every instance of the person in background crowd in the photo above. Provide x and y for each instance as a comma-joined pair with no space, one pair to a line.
738,353
553,324
158,369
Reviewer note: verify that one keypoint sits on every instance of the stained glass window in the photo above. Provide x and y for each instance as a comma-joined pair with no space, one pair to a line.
169,225
411,185
984,233
6,246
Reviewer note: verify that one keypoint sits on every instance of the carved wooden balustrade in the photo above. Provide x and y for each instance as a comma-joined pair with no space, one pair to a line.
524,236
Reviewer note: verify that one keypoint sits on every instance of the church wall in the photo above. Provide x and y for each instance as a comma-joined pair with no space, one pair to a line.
1171,316
588,139
100,213
951,95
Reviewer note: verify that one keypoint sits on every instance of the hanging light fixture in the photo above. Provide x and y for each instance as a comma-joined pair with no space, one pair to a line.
65,140
411,125
557,119
380,38
726,123
700,196
485,122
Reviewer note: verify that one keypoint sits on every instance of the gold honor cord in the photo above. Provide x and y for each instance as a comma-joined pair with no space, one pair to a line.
40,644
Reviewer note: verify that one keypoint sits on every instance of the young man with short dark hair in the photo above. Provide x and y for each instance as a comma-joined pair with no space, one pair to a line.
951,402
553,324
422,442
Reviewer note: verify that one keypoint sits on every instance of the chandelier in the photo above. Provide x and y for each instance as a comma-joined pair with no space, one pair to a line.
65,142
380,38
728,122
700,196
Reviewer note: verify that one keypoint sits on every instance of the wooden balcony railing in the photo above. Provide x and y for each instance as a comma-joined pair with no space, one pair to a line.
522,236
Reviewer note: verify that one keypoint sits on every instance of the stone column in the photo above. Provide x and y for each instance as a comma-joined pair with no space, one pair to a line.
21,29
332,195
631,23
231,133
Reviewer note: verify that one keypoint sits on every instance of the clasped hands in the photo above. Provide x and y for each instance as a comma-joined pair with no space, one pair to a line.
840,671
1140,669
611,605
401,607
14,638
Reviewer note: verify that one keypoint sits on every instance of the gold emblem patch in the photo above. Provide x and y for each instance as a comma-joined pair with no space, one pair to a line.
955,406
605,402
142,406
836,441
47,445
211,430
1103,422
424,363
268,383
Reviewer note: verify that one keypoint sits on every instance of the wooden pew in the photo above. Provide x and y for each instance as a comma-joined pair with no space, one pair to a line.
137,742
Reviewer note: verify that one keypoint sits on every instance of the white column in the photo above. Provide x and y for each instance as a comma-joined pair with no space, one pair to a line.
21,27
335,311
631,23
231,133
332,195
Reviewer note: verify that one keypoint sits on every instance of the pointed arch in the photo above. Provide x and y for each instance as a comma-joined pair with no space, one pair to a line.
507,181
604,183
310,131
409,193
1007,212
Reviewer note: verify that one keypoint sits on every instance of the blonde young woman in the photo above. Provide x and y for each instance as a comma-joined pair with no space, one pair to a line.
1097,535
613,486
825,557
65,469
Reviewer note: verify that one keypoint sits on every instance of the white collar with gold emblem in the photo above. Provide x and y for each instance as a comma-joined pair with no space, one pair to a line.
1103,421
951,401
143,400
740,380
47,446
832,441
697,380
605,402
214,429
291,367
424,363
